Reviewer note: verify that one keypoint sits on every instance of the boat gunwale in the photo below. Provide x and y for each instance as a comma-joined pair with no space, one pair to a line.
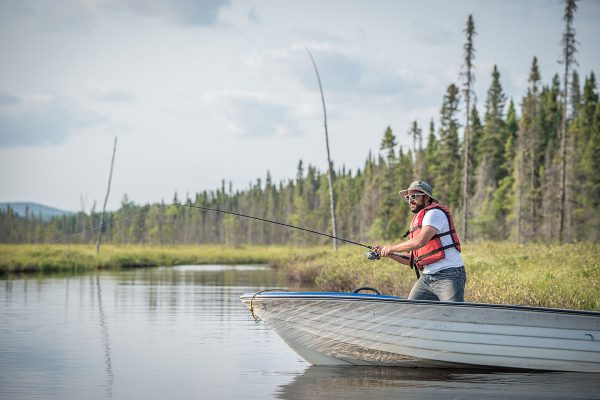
347,296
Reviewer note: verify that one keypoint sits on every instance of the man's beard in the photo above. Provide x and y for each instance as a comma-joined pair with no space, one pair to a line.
418,208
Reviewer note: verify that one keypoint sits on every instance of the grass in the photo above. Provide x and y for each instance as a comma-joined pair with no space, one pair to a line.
53,258
564,276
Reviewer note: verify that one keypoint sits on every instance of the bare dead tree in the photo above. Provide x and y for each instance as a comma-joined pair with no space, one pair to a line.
112,163
329,164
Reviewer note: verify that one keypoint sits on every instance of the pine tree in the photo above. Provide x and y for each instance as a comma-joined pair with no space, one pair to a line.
417,135
527,163
469,79
389,199
575,95
491,144
550,119
476,134
503,201
568,60
431,156
388,144
586,127
490,158
448,185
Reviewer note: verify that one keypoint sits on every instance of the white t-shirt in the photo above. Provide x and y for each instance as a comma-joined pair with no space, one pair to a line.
437,219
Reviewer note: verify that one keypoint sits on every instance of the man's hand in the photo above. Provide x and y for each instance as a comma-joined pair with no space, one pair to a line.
383,251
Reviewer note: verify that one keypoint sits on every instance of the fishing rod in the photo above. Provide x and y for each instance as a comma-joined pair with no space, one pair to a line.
371,254
275,222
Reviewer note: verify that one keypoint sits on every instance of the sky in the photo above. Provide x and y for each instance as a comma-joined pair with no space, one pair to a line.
201,91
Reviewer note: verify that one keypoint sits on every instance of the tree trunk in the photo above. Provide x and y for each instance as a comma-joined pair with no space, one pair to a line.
112,163
329,164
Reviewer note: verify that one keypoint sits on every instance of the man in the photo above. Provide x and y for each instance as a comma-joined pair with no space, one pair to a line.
433,245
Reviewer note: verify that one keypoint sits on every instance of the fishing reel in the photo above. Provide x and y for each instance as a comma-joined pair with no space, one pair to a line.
373,255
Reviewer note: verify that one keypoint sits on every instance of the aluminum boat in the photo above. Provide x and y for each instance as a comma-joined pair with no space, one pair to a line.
329,328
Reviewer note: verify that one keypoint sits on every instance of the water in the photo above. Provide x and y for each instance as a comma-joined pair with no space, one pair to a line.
182,332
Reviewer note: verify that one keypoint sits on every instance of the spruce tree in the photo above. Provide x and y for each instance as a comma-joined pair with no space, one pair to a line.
491,144
417,135
389,197
586,128
568,60
490,157
503,201
448,183
469,79
388,144
550,119
431,156
526,173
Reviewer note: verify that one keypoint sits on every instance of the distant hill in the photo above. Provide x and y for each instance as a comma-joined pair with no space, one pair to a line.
36,209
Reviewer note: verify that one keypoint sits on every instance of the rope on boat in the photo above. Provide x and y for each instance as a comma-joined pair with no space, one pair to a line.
256,317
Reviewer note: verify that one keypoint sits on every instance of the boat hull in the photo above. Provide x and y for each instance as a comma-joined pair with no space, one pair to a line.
360,329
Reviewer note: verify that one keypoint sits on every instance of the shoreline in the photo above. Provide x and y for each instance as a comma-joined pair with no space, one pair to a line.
554,276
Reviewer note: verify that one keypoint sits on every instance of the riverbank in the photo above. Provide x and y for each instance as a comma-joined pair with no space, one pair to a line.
564,276
16,259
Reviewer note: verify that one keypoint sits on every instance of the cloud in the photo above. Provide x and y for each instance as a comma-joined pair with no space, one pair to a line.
40,120
73,16
428,34
341,73
7,99
192,12
251,113
79,16
253,16
106,95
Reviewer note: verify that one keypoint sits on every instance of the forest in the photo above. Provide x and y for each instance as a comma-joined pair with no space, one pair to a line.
522,170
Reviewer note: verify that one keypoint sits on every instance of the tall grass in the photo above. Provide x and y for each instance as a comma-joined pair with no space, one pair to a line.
565,276
50,258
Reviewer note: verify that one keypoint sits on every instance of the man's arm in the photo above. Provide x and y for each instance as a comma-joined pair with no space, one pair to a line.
427,232
401,258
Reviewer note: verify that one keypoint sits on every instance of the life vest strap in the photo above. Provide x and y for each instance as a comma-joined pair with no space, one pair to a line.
411,230
455,245
437,235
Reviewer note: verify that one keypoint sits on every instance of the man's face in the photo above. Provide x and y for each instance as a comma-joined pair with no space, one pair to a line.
418,203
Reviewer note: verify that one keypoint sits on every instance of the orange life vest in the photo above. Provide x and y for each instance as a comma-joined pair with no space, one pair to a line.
434,250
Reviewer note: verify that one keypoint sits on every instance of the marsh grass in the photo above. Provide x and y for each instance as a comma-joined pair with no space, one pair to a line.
53,258
564,276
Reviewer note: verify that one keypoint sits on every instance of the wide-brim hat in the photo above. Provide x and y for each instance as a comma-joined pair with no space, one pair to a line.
420,186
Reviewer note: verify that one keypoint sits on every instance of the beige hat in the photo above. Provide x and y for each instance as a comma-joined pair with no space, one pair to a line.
422,187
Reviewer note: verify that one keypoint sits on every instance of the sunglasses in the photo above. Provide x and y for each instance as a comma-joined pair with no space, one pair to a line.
412,197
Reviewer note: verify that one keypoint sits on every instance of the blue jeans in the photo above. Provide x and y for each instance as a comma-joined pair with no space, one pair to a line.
445,285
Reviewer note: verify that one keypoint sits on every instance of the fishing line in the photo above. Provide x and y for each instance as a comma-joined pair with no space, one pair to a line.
276,222
104,225
212,210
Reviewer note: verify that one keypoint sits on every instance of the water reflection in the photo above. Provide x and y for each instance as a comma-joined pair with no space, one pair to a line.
110,376
150,333
419,383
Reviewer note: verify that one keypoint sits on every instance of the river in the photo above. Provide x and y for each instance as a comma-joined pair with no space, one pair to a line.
182,332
